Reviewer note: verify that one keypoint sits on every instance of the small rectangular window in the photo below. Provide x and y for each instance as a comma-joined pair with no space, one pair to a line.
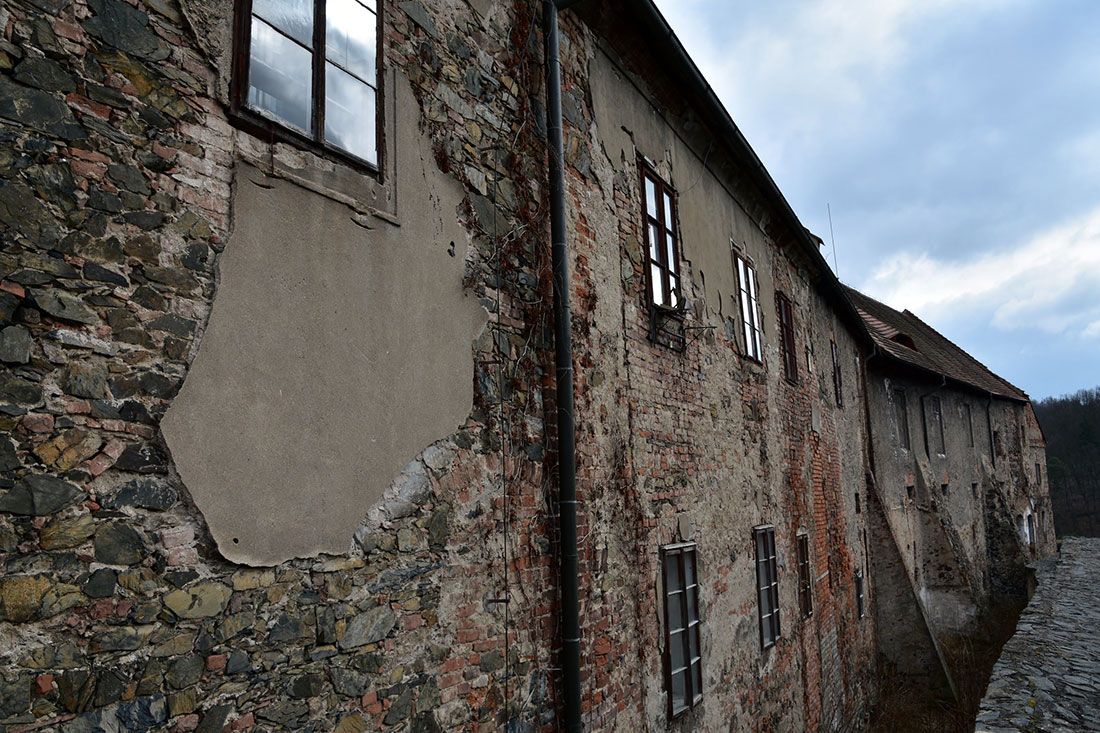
1038,474
859,593
974,490
969,424
901,417
910,492
663,252
945,488
786,337
933,425
750,306
805,588
838,386
683,659
767,585
858,507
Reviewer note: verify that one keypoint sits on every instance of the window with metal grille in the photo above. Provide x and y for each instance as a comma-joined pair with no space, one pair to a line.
786,337
901,417
933,425
767,585
805,587
306,72
683,660
663,258
859,593
750,305
838,386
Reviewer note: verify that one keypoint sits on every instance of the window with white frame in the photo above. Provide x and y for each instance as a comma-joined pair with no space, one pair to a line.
749,302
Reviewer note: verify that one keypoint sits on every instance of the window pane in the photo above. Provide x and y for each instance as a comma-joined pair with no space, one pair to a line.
674,288
675,611
279,79
350,37
697,673
689,568
679,698
657,284
693,612
654,243
668,214
672,572
650,197
676,650
670,253
293,17
349,114
693,643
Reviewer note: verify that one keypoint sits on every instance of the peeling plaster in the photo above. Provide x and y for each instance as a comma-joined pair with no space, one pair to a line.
334,355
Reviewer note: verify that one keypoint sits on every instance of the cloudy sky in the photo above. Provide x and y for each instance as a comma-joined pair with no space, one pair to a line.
957,143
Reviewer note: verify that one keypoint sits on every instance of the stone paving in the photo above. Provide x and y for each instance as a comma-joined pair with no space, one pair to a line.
1048,675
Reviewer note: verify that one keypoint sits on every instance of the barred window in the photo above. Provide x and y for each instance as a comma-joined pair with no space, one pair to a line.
805,584
767,585
683,660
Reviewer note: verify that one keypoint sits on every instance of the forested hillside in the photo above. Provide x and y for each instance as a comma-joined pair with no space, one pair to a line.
1072,428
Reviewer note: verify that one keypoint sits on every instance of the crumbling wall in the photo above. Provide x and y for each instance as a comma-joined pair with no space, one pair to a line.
120,186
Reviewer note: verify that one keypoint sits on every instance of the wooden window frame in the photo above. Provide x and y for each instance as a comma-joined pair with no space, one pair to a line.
685,595
838,382
767,585
272,130
669,271
805,577
748,301
785,311
901,413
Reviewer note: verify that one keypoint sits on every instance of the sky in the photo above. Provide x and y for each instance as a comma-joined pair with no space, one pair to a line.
957,145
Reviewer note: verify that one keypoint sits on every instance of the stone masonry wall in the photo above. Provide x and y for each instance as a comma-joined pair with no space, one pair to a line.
116,609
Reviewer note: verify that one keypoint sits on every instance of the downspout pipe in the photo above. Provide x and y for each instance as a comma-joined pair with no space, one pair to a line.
563,357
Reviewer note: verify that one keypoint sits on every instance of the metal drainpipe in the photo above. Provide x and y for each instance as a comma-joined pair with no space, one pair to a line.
563,357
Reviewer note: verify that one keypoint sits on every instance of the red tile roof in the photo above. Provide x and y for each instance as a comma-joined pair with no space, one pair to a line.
906,338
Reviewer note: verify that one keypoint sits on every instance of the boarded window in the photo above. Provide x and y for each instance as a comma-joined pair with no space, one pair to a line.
786,337
767,585
838,385
683,660
901,418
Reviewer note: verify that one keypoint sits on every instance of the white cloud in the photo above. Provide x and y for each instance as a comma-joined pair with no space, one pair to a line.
1050,282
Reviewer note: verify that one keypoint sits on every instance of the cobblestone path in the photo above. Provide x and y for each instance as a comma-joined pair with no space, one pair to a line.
1048,676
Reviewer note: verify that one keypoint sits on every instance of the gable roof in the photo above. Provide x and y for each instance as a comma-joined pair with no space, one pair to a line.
904,337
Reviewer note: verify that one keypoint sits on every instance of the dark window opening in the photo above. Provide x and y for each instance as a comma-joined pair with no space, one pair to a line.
910,492
944,489
767,585
748,299
683,660
838,386
974,490
858,508
905,340
306,72
1038,474
786,337
901,417
805,587
969,425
